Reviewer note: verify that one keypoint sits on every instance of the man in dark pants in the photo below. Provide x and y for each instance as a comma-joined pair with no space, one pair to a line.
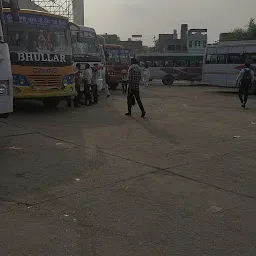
95,74
245,80
134,77
78,82
87,76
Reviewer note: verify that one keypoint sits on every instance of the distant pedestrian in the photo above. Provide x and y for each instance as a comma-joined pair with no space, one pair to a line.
146,75
78,82
95,76
245,80
87,79
124,79
104,81
134,77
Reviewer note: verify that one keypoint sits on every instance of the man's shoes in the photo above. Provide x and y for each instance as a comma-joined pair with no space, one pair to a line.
108,95
143,114
128,114
243,105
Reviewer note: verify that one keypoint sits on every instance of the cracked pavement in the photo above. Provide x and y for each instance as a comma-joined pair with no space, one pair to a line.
92,181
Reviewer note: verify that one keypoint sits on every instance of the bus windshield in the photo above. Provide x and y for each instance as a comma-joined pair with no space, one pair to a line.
112,56
87,44
38,34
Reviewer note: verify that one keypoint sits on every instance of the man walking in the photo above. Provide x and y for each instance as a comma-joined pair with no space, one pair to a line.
245,80
134,77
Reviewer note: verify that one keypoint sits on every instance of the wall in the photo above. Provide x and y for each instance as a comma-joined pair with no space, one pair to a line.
197,40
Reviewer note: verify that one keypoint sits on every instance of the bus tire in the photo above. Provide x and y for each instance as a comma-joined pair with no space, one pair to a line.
168,80
113,86
51,102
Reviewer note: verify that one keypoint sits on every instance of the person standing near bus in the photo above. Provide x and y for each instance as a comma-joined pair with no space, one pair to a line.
146,75
95,77
124,78
78,82
87,79
134,77
245,80
104,80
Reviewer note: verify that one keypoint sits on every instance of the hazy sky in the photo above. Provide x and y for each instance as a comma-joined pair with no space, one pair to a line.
153,17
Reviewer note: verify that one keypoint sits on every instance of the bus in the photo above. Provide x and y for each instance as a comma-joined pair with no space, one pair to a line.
117,57
173,66
86,47
224,60
6,86
41,56
85,44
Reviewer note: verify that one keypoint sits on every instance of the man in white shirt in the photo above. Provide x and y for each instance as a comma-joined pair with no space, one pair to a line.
245,80
87,77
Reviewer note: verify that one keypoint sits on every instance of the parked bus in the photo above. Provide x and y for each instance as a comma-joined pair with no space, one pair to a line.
224,60
173,66
86,47
85,44
117,57
41,56
6,85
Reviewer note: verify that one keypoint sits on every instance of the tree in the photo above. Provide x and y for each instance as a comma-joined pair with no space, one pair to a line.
247,33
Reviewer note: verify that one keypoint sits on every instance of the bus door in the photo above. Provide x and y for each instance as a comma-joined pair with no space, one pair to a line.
235,62
211,71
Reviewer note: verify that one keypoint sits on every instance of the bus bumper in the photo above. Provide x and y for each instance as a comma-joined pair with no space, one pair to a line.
28,92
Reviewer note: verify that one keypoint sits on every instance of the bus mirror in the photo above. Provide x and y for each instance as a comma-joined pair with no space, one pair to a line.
14,6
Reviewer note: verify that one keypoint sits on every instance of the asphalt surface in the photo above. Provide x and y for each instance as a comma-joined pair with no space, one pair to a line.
92,181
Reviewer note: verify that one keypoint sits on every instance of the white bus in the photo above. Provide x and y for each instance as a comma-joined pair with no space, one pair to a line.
173,66
6,82
224,60
86,48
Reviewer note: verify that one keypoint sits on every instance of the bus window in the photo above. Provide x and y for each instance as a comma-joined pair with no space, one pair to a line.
235,58
221,59
211,59
250,57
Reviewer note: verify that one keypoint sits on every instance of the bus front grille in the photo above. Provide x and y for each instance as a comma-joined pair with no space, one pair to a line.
49,81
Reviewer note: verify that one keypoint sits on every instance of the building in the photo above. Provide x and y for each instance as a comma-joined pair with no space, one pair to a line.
197,40
111,38
225,37
171,43
135,46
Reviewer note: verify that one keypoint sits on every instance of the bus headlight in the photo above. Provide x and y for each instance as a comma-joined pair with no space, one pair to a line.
20,80
68,80
4,88
111,73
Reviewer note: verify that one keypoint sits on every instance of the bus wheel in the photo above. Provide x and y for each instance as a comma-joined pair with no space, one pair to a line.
168,80
113,86
51,102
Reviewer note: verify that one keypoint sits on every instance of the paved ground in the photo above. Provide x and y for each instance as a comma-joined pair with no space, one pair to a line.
92,181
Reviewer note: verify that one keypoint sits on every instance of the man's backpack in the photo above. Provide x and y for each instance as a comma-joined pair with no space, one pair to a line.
247,76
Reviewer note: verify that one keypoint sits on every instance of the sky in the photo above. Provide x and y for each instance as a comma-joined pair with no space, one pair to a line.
153,17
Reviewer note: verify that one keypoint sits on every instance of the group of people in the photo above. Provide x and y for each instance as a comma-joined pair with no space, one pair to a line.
86,84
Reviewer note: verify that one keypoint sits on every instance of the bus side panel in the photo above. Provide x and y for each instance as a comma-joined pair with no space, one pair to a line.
6,98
